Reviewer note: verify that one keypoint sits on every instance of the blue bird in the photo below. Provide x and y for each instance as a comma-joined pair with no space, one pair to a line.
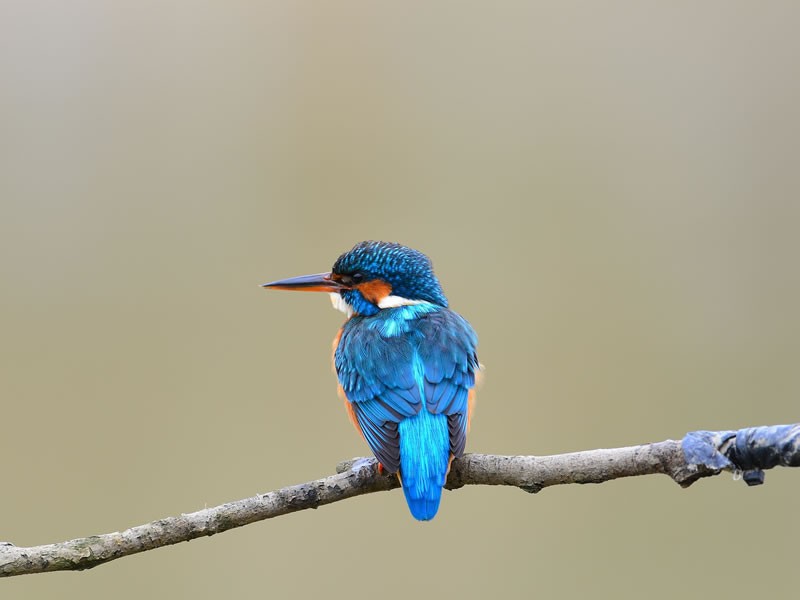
406,363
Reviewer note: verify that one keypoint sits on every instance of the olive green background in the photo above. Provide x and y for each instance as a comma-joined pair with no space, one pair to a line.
609,192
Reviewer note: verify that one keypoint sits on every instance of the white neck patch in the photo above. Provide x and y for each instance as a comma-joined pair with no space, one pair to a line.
395,301
340,305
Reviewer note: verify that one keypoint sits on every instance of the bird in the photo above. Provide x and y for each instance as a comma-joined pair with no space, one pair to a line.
406,364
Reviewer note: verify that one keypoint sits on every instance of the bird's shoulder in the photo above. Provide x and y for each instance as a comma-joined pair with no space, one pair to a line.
406,321
390,339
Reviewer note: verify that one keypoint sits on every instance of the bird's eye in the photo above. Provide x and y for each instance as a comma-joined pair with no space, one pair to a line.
351,278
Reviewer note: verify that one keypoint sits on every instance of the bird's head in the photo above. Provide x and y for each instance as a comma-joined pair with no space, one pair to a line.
373,276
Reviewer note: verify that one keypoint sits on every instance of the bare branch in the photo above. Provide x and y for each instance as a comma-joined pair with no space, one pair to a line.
361,476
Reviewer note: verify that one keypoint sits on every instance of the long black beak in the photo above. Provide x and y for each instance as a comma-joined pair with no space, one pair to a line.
321,282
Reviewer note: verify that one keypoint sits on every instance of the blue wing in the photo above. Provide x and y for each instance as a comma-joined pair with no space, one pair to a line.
389,363
448,353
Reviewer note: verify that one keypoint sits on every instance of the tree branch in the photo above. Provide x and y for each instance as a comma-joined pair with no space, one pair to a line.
700,454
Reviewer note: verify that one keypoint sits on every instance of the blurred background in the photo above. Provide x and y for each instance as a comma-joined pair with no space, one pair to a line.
609,193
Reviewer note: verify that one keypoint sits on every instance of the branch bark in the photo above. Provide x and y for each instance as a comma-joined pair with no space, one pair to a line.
354,478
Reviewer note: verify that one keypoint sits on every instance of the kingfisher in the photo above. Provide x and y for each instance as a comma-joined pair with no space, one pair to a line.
405,362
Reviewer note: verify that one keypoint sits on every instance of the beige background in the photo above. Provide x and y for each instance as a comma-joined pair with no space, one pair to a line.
609,192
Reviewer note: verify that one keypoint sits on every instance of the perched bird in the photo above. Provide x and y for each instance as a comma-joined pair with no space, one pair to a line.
406,363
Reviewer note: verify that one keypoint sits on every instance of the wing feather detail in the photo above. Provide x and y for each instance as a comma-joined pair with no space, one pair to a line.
429,358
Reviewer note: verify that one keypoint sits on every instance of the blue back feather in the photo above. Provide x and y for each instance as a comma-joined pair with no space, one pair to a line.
407,371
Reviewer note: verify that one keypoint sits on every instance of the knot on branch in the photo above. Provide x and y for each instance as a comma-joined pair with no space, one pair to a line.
748,451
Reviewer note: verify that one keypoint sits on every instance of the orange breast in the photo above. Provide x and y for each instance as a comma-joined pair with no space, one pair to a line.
351,413
347,404
470,407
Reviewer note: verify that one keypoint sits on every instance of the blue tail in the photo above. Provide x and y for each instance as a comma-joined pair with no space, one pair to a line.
424,457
